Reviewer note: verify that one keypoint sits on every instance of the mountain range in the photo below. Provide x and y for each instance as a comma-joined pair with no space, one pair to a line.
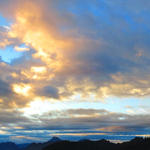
57,144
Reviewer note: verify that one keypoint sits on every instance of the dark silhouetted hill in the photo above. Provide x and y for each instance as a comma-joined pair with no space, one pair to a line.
81,145
22,146
135,144
40,146
57,144
8,146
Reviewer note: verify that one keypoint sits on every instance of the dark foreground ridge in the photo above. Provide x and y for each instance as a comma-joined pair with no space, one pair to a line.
57,144
135,144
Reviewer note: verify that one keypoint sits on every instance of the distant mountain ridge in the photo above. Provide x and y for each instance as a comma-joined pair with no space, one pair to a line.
32,146
57,144
40,146
8,146
135,144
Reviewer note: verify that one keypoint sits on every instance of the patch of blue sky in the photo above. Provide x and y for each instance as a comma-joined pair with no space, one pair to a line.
112,104
96,10
109,106
135,24
9,54
98,14
4,21
23,46
122,104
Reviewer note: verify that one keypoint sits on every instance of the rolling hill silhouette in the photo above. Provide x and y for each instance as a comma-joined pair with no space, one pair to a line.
8,146
40,146
58,144
135,144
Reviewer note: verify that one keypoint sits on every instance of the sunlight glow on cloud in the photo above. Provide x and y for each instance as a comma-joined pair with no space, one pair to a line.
20,49
38,70
22,89
77,134
39,106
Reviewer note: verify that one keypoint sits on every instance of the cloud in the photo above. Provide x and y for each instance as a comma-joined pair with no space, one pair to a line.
5,39
5,89
11,117
113,129
49,91
20,49
92,119
82,52
106,122
79,122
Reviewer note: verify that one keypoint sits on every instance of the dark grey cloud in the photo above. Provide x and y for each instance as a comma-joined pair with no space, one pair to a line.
48,91
10,118
86,111
5,89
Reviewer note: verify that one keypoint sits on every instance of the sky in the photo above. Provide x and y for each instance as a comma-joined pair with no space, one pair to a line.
74,69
